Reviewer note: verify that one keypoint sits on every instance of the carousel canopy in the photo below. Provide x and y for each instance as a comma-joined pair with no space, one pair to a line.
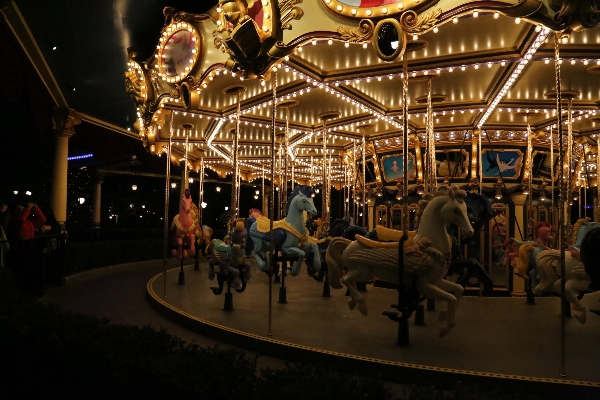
481,69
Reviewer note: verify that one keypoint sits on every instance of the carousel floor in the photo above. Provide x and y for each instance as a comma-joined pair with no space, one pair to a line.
495,338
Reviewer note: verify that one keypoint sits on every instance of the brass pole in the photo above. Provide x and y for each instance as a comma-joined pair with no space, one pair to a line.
364,167
405,218
234,189
201,189
324,203
272,205
561,200
166,217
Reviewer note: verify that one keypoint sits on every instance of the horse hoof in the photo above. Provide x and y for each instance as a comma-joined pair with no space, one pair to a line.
351,304
445,330
363,309
442,317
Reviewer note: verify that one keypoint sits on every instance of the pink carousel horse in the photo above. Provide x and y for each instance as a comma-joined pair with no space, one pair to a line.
183,228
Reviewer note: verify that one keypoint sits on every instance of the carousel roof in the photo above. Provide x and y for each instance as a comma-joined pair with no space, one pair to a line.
489,67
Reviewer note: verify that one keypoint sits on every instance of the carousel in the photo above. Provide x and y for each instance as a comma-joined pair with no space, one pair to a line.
443,151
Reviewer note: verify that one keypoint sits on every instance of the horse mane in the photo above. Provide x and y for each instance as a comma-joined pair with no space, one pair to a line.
240,225
577,225
300,189
254,211
522,261
451,191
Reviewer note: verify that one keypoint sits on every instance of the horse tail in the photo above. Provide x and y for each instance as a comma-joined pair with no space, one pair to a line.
333,256
546,262
522,261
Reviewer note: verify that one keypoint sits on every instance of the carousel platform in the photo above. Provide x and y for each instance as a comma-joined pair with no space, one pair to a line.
497,340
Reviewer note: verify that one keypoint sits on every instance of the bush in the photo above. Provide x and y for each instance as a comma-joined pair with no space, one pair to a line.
48,352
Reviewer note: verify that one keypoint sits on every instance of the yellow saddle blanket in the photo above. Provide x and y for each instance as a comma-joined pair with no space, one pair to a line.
390,244
263,225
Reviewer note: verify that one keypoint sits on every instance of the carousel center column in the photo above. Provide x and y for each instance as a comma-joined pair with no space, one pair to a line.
65,121
519,200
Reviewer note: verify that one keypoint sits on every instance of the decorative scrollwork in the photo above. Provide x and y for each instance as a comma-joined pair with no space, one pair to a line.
577,14
363,33
174,93
193,83
414,23
295,13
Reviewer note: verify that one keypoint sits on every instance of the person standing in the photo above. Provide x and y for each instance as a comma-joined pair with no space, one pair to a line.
4,217
4,246
24,222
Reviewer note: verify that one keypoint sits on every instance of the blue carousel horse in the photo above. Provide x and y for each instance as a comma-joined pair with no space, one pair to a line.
289,234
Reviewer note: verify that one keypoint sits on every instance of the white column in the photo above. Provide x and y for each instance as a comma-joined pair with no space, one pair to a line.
97,201
64,124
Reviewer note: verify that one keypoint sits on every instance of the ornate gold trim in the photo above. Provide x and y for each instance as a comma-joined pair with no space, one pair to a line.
363,33
339,7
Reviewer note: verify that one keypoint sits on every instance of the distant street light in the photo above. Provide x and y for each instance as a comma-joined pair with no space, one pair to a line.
28,193
15,191
81,200
226,208
218,188
173,185
203,204
133,187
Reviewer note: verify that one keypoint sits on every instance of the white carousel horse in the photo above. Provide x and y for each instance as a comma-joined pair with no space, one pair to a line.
290,234
578,275
183,228
426,255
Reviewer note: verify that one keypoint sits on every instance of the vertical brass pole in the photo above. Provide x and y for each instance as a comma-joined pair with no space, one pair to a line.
263,190
530,177
405,217
272,205
234,188
552,171
364,166
324,205
561,200
166,217
201,189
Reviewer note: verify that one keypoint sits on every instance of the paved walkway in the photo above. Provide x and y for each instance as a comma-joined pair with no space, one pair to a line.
119,294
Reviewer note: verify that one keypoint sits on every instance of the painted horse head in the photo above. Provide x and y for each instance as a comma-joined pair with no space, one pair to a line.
301,199
238,235
454,210
185,205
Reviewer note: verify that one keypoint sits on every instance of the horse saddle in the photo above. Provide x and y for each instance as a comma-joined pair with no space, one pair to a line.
222,247
391,235
386,245
263,224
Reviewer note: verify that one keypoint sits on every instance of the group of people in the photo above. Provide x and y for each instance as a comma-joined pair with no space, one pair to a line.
22,224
